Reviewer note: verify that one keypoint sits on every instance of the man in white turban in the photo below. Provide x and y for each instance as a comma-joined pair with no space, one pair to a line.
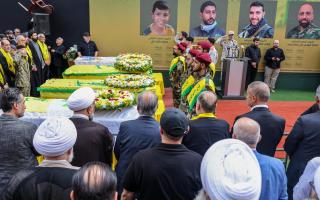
230,171
94,141
54,139
274,180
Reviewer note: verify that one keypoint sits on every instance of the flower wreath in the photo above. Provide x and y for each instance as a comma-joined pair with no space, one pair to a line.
114,99
133,62
129,81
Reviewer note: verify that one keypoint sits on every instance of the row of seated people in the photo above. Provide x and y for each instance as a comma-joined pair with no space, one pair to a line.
172,160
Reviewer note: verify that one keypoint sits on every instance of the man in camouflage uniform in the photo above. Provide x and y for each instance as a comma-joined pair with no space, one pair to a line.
306,29
190,57
177,68
201,70
23,70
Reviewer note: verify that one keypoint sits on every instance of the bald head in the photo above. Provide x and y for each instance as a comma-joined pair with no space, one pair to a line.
147,103
92,180
207,101
260,90
305,15
247,130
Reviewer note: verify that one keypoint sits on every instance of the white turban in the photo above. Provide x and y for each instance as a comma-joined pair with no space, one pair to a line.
316,181
55,136
230,171
81,99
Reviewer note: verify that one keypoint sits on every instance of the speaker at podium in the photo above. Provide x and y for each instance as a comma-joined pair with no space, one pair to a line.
234,74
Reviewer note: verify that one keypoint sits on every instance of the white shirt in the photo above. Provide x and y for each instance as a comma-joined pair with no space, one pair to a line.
303,188
80,116
260,106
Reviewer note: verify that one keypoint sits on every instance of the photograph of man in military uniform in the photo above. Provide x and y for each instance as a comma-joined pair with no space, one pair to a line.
307,27
208,18
158,17
261,19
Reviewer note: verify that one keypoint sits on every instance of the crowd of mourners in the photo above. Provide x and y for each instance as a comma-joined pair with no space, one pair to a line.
190,154
27,60
178,158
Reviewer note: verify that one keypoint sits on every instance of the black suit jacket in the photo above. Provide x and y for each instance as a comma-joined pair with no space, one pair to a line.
94,143
271,129
133,136
314,108
204,132
8,75
302,144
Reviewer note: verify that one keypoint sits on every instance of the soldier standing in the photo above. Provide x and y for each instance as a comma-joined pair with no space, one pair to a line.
203,81
177,68
23,68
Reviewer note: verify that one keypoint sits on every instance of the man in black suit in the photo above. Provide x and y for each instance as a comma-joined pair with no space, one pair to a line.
315,107
94,141
205,128
302,145
253,52
272,126
136,135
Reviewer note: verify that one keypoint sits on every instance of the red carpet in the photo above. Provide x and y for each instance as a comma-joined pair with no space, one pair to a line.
229,109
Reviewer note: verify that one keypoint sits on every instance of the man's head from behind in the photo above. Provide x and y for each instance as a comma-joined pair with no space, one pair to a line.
82,101
174,125
317,97
248,131
305,15
208,12
12,102
230,170
55,138
206,102
257,93
147,103
94,181
256,12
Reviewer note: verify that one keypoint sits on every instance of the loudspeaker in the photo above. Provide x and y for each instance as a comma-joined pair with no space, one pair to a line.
41,23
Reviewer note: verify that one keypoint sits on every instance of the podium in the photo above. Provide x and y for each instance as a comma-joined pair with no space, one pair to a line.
234,74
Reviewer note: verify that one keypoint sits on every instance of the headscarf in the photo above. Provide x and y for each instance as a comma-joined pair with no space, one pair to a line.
230,171
81,99
55,136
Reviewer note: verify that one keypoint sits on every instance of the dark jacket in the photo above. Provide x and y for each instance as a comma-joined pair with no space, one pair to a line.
57,57
302,145
40,183
16,148
277,53
254,54
271,129
87,49
314,108
134,135
8,75
94,143
204,132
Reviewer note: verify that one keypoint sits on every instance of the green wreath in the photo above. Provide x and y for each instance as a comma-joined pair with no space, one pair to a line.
134,63
129,81
114,99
